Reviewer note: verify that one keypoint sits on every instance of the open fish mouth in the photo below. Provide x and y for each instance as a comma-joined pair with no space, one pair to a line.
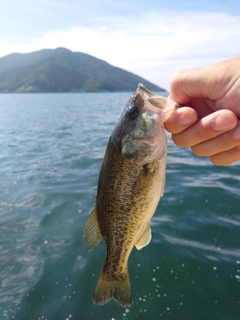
156,102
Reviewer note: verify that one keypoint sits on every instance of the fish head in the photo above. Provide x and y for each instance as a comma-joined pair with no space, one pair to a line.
140,129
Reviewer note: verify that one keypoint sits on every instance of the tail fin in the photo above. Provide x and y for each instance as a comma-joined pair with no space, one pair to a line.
118,289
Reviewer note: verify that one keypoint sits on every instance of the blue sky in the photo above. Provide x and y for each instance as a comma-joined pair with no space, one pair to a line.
150,38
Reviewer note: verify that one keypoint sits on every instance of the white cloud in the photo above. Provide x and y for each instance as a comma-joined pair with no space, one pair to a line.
154,46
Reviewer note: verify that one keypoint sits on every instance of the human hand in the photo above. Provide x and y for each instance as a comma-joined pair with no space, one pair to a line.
208,122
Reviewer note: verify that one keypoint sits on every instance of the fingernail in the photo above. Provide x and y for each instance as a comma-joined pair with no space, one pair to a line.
224,122
236,133
186,119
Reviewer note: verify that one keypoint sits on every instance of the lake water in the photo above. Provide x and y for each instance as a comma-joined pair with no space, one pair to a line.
51,150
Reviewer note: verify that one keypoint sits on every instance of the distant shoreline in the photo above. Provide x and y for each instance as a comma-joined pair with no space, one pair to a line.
63,71
73,92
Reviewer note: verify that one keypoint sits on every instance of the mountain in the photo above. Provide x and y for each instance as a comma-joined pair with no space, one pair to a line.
61,70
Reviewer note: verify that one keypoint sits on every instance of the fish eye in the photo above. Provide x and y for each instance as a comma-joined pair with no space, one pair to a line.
133,113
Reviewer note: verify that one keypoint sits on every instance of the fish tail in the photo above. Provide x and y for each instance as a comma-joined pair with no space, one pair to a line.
117,288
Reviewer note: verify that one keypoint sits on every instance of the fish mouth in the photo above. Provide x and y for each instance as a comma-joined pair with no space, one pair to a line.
147,95
156,103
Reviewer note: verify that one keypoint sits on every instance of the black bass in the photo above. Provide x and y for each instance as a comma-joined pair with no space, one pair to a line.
130,184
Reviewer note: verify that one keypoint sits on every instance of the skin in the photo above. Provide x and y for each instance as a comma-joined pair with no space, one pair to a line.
208,119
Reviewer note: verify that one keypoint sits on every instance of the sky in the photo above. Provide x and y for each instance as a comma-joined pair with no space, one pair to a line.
151,38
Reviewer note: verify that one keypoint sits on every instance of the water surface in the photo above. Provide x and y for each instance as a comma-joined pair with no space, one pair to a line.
52,146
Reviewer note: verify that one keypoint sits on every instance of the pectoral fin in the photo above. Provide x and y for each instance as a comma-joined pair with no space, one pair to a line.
145,238
91,232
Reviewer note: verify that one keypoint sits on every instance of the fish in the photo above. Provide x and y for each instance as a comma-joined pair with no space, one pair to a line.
130,184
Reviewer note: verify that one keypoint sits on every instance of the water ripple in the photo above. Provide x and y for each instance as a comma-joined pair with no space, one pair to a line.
200,246
52,146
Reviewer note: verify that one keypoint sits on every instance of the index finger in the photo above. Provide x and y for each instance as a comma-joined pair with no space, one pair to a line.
206,128
181,119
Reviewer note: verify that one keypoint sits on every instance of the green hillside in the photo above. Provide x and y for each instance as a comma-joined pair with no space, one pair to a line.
61,70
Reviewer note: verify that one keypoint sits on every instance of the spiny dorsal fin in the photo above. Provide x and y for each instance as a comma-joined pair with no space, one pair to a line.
91,232
145,238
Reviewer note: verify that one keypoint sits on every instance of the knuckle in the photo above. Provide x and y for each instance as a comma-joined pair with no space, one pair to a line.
179,141
214,161
202,133
218,162
197,151
176,78
221,160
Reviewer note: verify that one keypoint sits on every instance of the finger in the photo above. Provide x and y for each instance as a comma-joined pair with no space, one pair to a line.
222,143
203,82
207,128
226,158
181,119
191,83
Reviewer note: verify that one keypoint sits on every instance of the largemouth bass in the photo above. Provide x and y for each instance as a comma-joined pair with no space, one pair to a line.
130,184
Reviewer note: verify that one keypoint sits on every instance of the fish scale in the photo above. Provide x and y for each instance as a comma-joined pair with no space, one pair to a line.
130,184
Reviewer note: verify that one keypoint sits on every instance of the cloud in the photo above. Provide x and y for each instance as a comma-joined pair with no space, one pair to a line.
153,46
